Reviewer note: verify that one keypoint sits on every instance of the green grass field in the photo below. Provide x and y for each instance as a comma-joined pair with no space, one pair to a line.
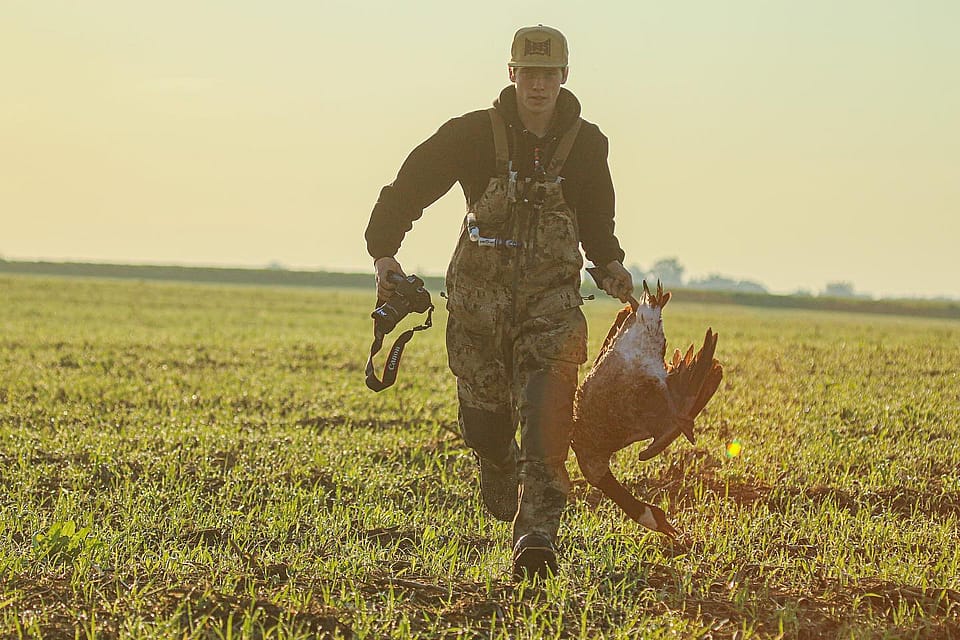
205,461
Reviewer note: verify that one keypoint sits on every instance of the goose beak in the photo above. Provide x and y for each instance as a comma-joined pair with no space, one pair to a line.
667,529
662,525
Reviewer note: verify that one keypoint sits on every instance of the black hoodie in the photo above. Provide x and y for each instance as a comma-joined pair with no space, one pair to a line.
462,151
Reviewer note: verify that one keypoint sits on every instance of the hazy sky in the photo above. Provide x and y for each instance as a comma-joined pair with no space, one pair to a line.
792,143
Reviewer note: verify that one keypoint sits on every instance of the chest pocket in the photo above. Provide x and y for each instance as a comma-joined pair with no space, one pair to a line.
491,209
553,258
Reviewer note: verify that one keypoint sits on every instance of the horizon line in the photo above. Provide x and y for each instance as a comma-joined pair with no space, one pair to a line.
278,265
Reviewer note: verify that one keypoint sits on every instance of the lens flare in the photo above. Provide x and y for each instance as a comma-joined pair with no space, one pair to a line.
734,448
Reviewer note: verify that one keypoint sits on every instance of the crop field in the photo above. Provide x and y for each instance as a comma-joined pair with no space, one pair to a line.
204,461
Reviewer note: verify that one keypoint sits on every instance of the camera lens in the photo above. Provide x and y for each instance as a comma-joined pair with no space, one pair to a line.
385,318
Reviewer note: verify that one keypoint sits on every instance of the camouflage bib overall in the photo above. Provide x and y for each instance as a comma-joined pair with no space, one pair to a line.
515,334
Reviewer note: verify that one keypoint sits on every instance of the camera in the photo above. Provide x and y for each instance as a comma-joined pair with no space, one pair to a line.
410,295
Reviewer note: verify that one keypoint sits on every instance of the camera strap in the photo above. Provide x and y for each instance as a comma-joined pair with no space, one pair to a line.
392,365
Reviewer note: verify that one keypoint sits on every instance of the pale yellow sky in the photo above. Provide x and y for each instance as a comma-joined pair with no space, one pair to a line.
792,143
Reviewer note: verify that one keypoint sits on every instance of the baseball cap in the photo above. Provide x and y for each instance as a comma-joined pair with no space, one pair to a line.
538,46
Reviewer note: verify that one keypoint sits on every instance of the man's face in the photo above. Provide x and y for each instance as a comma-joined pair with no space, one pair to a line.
538,87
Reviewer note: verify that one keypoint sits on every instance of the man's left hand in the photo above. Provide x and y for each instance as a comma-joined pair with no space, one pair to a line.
619,283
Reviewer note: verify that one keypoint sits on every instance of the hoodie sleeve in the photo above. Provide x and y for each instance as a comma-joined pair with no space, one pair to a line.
595,208
427,173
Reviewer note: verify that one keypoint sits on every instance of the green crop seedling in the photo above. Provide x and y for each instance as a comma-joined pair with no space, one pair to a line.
204,461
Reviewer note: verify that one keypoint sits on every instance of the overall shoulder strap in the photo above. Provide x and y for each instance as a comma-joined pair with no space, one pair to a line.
563,149
501,147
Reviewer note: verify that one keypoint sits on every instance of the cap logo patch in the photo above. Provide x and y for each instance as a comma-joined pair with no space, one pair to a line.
531,47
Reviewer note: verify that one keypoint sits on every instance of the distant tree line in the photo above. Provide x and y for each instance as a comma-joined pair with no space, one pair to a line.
670,272
276,274
273,274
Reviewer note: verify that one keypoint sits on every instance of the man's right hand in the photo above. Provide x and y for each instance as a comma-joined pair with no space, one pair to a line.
384,287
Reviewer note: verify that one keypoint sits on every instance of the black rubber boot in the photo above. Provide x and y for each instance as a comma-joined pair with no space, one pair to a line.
499,485
534,558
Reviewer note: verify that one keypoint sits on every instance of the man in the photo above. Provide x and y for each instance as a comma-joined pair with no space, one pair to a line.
537,186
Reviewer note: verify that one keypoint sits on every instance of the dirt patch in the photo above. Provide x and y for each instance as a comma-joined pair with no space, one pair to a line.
406,540
58,609
681,479
195,605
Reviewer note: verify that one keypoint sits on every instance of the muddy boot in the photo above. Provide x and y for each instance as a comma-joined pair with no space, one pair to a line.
499,482
534,558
